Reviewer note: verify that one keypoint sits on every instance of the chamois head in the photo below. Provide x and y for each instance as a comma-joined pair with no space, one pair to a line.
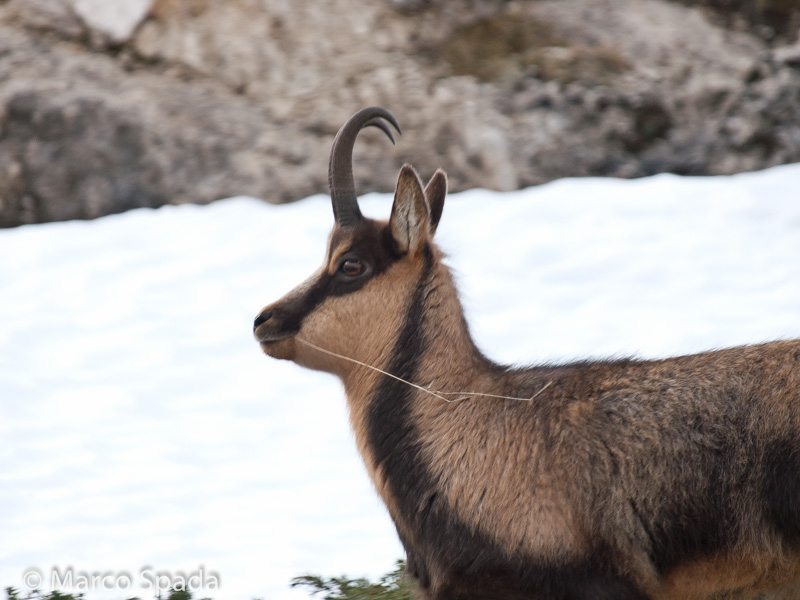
353,303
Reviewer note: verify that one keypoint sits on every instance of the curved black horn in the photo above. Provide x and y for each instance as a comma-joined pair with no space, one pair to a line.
340,167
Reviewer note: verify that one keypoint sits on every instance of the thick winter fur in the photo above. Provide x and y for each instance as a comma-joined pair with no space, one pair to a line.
619,480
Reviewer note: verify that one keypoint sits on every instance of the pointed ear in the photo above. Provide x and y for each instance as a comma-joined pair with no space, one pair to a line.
435,192
410,220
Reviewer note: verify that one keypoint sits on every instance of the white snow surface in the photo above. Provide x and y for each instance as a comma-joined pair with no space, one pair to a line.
141,426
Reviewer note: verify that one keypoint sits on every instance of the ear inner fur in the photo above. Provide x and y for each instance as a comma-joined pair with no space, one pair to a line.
410,219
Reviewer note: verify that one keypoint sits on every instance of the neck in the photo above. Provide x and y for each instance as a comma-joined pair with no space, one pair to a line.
433,350
454,364
441,355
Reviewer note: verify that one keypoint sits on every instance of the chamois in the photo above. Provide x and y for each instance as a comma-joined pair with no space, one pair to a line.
604,480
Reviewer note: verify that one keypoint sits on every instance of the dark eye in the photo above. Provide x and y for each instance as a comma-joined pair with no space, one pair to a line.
352,267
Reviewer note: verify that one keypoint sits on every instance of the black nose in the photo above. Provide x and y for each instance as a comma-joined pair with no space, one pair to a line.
262,318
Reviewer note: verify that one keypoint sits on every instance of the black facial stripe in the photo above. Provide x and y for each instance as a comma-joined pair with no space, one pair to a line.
291,313
371,243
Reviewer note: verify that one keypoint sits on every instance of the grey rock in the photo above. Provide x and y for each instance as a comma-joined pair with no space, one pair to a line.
204,100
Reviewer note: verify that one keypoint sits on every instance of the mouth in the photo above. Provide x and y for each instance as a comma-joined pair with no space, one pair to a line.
281,347
274,335
270,343
267,339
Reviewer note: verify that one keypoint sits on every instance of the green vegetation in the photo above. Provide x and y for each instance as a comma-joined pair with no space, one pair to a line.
392,586
15,594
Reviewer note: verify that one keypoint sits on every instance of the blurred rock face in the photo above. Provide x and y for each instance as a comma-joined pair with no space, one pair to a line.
107,106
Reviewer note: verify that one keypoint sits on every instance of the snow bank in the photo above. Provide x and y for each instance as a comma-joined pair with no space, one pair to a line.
140,426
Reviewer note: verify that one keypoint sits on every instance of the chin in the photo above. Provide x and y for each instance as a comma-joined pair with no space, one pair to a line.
282,349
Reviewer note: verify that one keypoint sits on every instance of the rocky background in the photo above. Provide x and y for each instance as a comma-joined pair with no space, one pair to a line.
106,106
